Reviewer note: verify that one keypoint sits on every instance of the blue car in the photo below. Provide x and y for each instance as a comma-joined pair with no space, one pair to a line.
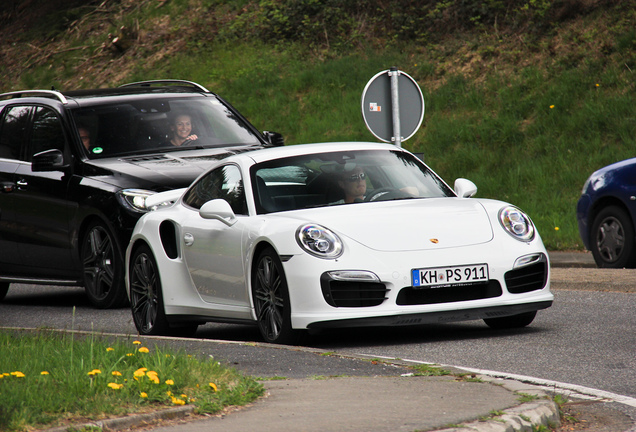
606,213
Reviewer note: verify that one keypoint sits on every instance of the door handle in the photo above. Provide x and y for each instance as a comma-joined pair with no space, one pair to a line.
22,184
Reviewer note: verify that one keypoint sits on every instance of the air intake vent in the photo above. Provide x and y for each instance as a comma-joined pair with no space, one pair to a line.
353,294
422,296
146,158
526,279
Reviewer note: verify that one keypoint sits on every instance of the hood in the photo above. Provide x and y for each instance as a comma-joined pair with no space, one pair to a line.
410,225
158,171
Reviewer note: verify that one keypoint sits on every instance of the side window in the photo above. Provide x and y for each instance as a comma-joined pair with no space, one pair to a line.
47,131
224,183
14,131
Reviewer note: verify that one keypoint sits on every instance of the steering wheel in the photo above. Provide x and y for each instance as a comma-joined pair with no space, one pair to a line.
384,194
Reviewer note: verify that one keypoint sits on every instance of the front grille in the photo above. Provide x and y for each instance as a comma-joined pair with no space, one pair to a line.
409,296
353,294
526,279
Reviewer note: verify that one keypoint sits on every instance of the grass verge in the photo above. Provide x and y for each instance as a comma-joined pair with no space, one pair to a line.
49,379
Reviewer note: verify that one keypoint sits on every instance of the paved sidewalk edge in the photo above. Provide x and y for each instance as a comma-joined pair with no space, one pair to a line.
525,417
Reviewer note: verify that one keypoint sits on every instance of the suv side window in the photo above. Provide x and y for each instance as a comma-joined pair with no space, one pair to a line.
224,183
47,132
14,131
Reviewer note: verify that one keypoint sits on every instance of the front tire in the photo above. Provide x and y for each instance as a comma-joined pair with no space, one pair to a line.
612,239
513,321
103,268
271,299
146,297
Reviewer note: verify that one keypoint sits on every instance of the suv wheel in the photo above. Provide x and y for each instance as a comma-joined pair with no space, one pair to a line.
103,267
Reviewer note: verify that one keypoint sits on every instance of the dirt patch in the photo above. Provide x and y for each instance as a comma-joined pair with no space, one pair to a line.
593,417
594,279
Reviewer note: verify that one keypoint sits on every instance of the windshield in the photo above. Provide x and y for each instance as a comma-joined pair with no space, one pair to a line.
142,126
341,178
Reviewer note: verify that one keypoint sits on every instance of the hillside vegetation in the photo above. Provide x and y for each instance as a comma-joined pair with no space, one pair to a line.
524,97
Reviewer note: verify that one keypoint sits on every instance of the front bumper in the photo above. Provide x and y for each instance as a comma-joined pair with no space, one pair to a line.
391,299
434,317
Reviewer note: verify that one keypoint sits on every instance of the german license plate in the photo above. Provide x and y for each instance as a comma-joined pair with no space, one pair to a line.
437,277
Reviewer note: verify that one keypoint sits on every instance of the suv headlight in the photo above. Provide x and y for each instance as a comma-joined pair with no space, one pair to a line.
319,241
516,223
134,199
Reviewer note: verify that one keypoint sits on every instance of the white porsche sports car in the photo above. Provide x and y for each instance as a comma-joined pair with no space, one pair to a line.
332,235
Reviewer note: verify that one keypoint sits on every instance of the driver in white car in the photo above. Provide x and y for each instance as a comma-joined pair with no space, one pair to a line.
354,185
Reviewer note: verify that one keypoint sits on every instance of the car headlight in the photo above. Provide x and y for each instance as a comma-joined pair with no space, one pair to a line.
319,241
134,199
516,223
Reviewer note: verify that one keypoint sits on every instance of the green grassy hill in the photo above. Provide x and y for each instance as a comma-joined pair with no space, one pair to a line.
525,97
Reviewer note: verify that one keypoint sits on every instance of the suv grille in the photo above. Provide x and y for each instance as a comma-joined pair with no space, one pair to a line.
421,296
526,279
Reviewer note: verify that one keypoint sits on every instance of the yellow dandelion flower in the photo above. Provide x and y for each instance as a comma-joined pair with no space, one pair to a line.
143,394
169,393
178,401
110,349
154,379
169,382
129,355
185,396
115,386
556,228
144,350
116,373
598,85
44,373
139,373
6,374
18,374
136,343
94,372
213,386
551,106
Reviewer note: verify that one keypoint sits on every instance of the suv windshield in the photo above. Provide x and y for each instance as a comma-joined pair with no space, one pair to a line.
160,124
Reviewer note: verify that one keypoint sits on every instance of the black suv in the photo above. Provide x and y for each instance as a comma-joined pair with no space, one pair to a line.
76,168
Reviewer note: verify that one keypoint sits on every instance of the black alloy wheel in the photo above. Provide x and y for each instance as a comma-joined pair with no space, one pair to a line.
612,239
103,268
271,299
146,299
513,321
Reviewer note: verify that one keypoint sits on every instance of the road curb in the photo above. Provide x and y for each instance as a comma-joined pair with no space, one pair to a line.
129,421
525,417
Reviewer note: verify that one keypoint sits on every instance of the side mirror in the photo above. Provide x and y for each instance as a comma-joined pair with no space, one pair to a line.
465,188
274,138
48,160
218,209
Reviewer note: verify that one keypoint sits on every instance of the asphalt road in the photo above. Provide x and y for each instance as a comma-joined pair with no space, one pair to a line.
587,338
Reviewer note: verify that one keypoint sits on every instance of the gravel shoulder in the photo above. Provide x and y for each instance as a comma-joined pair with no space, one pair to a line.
593,279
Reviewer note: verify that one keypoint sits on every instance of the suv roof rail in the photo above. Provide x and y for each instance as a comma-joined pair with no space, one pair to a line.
167,81
47,93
